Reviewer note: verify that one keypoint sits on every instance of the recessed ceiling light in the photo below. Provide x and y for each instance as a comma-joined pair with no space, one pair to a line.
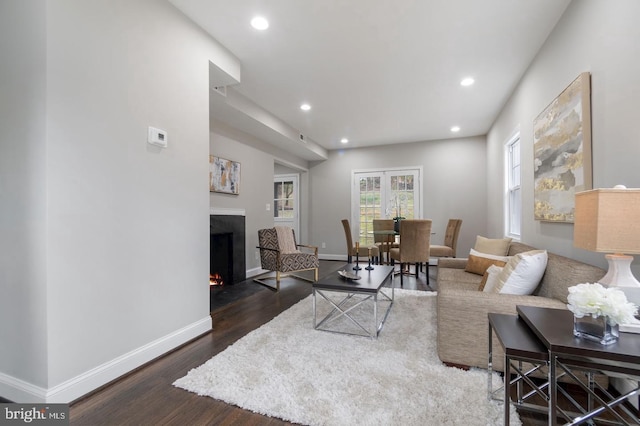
468,81
305,107
344,140
259,23
455,129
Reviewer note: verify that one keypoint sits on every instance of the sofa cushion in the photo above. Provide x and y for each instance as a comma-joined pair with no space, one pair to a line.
499,246
457,278
522,274
478,264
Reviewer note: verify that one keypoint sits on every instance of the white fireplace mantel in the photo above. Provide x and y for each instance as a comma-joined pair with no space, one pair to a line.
227,212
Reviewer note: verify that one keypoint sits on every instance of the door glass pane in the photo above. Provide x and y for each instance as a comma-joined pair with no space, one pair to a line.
283,199
369,208
402,199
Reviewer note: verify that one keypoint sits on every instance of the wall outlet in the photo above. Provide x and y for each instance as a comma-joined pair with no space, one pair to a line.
268,206
257,255
324,245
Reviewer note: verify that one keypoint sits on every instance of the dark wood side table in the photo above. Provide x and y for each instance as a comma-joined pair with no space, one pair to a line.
520,345
571,355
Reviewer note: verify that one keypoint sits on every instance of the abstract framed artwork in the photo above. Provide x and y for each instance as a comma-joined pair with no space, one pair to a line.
224,175
562,152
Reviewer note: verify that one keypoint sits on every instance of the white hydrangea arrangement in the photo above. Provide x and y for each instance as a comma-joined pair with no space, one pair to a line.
597,300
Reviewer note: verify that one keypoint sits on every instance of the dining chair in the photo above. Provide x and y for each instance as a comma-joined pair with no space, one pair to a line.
363,250
450,240
448,248
415,236
384,242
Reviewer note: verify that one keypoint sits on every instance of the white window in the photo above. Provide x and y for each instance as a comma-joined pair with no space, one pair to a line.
514,191
383,194
285,202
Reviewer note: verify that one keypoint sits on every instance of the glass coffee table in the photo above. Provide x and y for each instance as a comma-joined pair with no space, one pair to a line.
353,304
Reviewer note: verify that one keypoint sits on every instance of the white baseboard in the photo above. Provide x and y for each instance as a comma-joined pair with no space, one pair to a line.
17,390
341,257
255,272
20,391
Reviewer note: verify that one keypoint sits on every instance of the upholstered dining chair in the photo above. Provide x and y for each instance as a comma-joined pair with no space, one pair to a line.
450,240
280,253
415,236
363,251
383,242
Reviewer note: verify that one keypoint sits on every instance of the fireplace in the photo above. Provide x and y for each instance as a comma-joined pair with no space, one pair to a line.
221,259
227,264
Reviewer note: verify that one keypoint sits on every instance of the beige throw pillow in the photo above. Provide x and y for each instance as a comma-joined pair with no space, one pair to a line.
498,246
522,274
479,264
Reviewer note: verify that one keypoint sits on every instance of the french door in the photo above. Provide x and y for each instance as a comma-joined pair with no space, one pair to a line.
383,194
285,202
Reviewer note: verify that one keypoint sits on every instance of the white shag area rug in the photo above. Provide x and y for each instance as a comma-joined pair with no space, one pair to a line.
286,369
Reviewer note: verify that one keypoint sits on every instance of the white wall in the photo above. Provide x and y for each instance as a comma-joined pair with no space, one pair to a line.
23,183
453,186
120,269
601,38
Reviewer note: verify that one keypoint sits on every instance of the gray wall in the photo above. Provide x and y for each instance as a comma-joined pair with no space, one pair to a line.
23,193
104,237
601,38
258,161
453,186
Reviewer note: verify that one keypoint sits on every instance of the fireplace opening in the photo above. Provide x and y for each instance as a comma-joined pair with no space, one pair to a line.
229,253
221,259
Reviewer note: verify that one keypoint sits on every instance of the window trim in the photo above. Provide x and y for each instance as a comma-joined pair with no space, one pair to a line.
510,188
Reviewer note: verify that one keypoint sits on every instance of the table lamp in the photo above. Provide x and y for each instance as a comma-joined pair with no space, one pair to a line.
607,220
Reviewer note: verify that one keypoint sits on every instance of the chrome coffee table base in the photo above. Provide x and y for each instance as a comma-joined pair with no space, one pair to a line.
356,307
345,308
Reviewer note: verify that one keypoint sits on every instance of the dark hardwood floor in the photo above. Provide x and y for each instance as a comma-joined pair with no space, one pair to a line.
147,397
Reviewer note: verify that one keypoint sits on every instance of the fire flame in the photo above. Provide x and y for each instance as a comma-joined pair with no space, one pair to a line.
215,279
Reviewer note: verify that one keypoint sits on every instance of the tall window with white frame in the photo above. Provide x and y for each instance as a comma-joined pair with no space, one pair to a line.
514,191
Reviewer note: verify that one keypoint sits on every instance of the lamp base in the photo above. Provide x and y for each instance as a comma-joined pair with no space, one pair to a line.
619,273
620,276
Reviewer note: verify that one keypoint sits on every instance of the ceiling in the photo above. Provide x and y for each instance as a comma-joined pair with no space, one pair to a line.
375,72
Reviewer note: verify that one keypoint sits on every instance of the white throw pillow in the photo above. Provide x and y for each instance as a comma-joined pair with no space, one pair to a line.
522,273
492,277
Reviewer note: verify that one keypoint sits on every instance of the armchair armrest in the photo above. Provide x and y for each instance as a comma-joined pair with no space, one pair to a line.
314,248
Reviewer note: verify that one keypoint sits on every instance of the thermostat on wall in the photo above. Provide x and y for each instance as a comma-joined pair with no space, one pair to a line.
157,137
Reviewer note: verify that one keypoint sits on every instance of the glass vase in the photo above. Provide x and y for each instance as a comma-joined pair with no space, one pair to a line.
597,329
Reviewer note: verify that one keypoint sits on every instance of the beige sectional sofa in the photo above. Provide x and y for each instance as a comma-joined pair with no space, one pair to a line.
462,309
